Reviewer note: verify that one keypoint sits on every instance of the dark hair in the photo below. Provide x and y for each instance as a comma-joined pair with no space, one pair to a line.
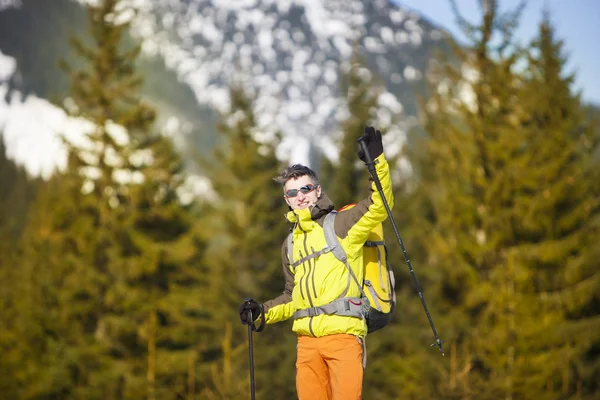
295,172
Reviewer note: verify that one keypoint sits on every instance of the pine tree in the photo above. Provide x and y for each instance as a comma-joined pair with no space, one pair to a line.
17,190
153,299
162,283
111,245
465,194
244,259
104,93
349,179
58,292
558,231
508,197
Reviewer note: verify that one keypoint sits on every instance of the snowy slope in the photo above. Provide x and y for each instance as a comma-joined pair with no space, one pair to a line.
32,126
288,53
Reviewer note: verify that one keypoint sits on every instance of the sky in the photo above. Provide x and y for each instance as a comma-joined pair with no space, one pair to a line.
576,22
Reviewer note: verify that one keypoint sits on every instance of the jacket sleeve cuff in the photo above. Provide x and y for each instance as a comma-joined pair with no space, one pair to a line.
380,160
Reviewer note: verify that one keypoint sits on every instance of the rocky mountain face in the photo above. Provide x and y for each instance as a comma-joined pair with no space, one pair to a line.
289,55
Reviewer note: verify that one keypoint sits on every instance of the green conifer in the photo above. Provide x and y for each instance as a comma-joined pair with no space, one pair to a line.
558,206
247,228
112,246
508,194
465,200
349,178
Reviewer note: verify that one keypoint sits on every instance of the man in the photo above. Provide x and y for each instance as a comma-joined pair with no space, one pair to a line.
329,362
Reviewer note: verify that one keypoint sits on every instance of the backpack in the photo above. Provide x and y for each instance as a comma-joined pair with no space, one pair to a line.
378,297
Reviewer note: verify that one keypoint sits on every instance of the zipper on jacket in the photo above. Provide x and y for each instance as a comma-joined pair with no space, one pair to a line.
310,327
302,277
314,270
306,280
311,269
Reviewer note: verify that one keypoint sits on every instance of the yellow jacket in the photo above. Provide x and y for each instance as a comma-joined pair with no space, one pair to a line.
319,281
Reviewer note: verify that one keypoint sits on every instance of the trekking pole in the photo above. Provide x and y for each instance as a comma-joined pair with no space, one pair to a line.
373,172
252,327
251,351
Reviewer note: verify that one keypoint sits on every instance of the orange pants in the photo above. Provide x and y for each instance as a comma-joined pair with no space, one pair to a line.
329,368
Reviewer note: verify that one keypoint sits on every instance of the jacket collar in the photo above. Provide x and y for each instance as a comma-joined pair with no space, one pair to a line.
323,206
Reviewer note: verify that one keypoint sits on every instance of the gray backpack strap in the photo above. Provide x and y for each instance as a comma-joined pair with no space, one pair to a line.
316,254
331,238
346,307
336,247
290,252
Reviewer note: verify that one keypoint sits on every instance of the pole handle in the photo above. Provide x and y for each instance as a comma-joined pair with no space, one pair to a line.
261,315
368,158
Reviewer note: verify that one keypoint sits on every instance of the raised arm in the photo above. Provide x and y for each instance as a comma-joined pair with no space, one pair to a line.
368,213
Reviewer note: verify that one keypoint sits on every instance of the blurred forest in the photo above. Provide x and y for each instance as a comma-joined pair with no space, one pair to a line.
112,287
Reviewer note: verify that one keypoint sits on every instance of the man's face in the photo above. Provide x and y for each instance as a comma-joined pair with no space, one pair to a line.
301,192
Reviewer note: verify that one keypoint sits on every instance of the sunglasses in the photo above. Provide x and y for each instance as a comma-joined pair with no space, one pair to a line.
304,189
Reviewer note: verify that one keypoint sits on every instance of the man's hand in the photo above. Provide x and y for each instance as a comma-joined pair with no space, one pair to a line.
372,139
249,305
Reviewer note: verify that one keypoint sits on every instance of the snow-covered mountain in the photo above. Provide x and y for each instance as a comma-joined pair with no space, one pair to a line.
290,54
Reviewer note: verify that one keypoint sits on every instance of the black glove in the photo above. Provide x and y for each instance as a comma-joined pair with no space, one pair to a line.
245,308
374,143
